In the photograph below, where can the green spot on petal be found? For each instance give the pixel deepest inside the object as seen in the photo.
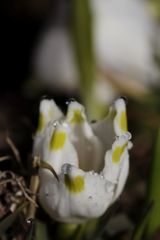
(41, 122)
(117, 153)
(74, 185)
(77, 117)
(57, 140)
(123, 121)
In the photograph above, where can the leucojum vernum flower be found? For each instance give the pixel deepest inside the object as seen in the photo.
(76, 149)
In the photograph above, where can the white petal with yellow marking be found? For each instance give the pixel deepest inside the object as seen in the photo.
(81, 195)
(49, 111)
(60, 148)
(114, 159)
(120, 119)
(48, 114)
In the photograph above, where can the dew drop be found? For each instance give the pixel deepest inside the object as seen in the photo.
(70, 100)
(128, 135)
(66, 168)
(44, 97)
(124, 98)
(109, 187)
(95, 174)
(55, 123)
(91, 172)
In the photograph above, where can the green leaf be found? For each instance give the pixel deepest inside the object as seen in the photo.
(38, 230)
(154, 191)
(41, 232)
(140, 228)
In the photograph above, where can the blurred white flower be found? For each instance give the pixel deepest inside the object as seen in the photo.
(123, 37)
(54, 61)
(69, 144)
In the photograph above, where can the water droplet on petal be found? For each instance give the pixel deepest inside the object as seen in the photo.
(91, 172)
(130, 145)
(109, 187)
(70, 100)
(128, 135)
(95, 174)
(55, 124)
(124, 98)
(66, 168)
(44, 97)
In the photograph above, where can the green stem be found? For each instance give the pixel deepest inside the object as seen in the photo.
(66, 231)
(81, 22)
(154, 192)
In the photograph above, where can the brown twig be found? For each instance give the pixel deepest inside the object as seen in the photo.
(14, 149)
(34, 185)
(24, 191)
(30, 199)
(6, 181)
(4, 158)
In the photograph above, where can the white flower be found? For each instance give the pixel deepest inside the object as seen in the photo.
(69, 144)
(123, 36)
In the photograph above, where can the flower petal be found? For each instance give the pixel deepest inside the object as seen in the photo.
(81, 195)
(123, 174)
(120, 120)
(56, 148)
(88, 146)
(61, 150)
(104, 130)
(49, 111)
(117, 164)
(41, 141)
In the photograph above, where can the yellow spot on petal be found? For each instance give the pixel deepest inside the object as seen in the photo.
(41, 122)
(123, 121)
(117, 153)
(57, 140)
(74, 185)
(77, 117)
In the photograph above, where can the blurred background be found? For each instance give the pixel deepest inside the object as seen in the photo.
(93, 51)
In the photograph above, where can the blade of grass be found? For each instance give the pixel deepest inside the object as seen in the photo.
(140, 228)
(154, 191)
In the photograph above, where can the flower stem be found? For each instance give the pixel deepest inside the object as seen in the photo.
(66, 231)
(81, 29)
